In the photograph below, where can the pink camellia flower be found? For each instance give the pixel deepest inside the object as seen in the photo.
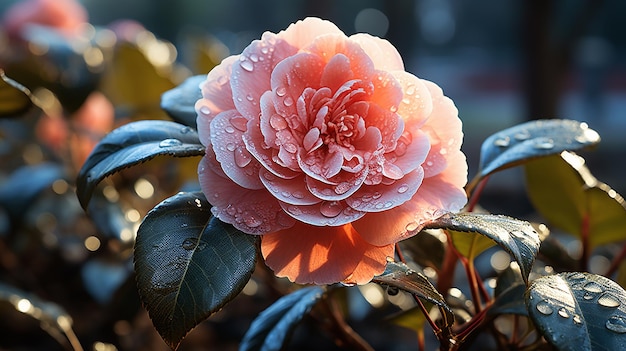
(323, 144)
(65, 16)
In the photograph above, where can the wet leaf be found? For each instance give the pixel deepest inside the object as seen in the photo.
(132, 144)
(568, 196)
(179, 103)
(530, 140)
(272, 328)
(509, 293)
(189, 264)
(14, 97)
(517, 237)
(579, 311)
(401, 276)
(470, 245)
(52, 317)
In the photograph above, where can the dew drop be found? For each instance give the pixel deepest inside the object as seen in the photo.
(170, 143)
(410, 90)
(264, 50)
(577, 319)
(616, 324)
(230, 147)
(239, 123)
(342, 188)
(403, 188)
(278, 122)
(543, 144)
(563, 312)
(593, 287)
(544, 307)
(523, 135)
(252, 221)
(205, 110)
(254, 58)
(229, 129)
(189, 243)
(393, 109)
(221, 80)
(412, 227)
(285, 193)
(249, 97)
(294, 210)
(588, 296)
(291, 148)
(330, 209)
(288, 101)
(242, 157)
(281, 91)
(246, 65)
(298, 194)
(185, 130)
(502, 142)
(608, 300)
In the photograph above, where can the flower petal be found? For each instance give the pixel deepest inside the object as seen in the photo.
(343, 185)
(231, 152)
(410, 154)
(417, 103)
(337, 72)
(443, 126)
(217, 95)
(251, 211)
(292, 191)
(435, 197)
(377, 198)
(252, 71)
(329, 45)
(323, 255)
(303, 32)
(381, 52)
(325, 213)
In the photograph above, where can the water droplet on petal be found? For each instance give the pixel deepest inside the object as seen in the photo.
(403, 188)
(278, 122)
(230, 147)
(291, 148)
(331, 208)
(239, 123)
(593, 287)
(170, 142)
(245, 64)
(189, 243)
(608, 300)
(252, 221)
(616, 324)
(288, 101)
(410, 90)
(544, 144)
(342, 188)
(563, 312)
(412, 227)
(242, 157)
(249, 97)
(254, 57)
(298, 194)
(281, 91)
(502, 142)
(205, 110)
(229, 129)
(544, 307)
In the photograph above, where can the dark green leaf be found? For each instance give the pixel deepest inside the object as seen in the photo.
(179, 103)
(53, 318)
(110, 218)
(579, 311)
(517, 237)
(568, 196)
(399, 275)
(132, 144)
(509, 293)
(189, 264)
(426, 249)
(271, 329)
(530, 140)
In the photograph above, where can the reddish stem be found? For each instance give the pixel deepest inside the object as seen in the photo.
(584, 234)
(475, 196)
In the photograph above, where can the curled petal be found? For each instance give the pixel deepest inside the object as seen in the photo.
(413, 153)
(337, 72)
(343, 186)
(323, 255)
(291, 191)
(303, 32)
(383, 54)
(216, 92)
(329, 45)
(252, 70)
(251, 211)
(231, 152)
(377, 198)
(325, 213)
(253, 138)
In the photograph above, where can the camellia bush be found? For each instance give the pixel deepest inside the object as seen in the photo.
(323, 161)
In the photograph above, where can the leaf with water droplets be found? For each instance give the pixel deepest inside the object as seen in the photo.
(179, 103)
(568, 196)
(189, 264)
(517, 237)
(132, 144)
(530, 140)
(401, 276)
(271, 329)
(579, 311)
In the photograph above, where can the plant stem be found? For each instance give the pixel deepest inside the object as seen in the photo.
(475, 196)
(345, 333)
(584, 234)
(470, 271)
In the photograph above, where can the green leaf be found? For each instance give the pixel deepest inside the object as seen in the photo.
(272, 328)
(563, 191)
(509, 293)
(132, 144)
(179, 103)
(413, 318)
(530, 140)
(52, 317)
(14, 97)
(470, 245)
(517, 237)
(399, 275)
(189, 264)
(579, 311)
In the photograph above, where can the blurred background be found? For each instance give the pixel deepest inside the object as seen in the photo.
(501, 62)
